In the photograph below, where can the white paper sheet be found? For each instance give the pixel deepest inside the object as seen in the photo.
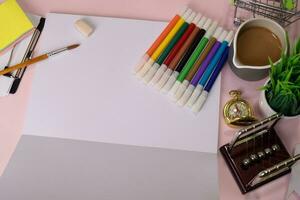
(90, 93)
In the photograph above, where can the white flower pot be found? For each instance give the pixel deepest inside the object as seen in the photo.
(264, 106)
(266, 109)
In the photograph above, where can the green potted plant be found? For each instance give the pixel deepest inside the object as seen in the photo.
(281, 93)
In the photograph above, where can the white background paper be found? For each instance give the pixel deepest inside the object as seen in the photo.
(90, 93)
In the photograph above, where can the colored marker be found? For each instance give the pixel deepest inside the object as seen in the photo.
(175, 50)
(194, 82)
(163, 45)
(201, 46)
(202, 98)
(149, 75)
(216, 59)
(159, 39)
(165, 71)
(205, 72)
(182, 91)
(184, 60)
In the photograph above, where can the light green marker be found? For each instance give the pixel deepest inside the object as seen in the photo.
(199, 49)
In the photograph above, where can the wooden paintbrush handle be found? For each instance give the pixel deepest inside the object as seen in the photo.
(24, 64)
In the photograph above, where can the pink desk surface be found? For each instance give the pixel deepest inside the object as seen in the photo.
(13, 107)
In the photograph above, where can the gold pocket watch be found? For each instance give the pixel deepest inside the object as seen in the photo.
(237, 111)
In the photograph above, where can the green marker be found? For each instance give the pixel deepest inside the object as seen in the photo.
(199, 49)
(169, 48)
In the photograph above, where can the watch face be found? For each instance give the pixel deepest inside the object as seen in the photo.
(238, 109)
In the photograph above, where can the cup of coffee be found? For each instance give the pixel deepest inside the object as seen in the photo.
(256, 42)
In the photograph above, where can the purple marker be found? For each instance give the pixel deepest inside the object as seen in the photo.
(201, 100)
(198, 89)
(186, 89)
(207, 60)
(194, 87)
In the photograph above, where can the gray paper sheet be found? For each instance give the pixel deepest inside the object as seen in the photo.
(294, 185)
(60, 169)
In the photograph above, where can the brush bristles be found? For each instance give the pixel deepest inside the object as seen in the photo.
(73, 46)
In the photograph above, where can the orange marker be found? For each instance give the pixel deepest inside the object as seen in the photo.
(159, 40)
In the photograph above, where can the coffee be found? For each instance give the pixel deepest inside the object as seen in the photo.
(255, 45)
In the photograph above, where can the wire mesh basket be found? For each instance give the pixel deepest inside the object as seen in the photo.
(282, 11)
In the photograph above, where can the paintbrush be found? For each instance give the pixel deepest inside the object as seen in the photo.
(37, 59)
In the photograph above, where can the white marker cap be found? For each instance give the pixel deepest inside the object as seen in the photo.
(207, 24)
(218, 32)
(145, 68)
(222, 37)
(211, 29)
(202, 22)
(174, 90)
(187, 13)
(181, 89)
(197, 91)
(170, 82)
(141, 63)
(165, 77)
(149, 75)
(187, 94)
(191, 17)
(200, 102)
(183, 10)
(229, 37)
(158, 74)
(197, 18)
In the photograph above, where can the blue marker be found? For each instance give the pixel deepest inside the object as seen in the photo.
(202, 98)
(209, 70)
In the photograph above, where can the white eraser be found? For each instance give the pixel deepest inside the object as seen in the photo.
(84, 28)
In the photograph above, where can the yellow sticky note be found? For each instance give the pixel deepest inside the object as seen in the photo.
(13, 23)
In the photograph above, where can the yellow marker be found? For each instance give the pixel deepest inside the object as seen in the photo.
(167, 40)
(164, 44)
(13, 23)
